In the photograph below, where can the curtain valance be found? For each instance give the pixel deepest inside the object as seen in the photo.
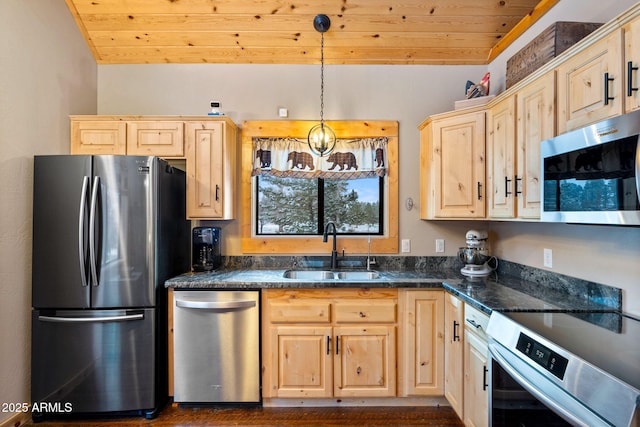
(291, 157)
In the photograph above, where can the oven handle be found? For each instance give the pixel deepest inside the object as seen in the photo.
(593, 421)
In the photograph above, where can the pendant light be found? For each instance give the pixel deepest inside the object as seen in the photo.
(321, 139)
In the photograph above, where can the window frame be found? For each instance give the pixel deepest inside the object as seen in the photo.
(312, 244)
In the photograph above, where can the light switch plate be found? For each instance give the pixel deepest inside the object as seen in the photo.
(406, 245)
(548, 258)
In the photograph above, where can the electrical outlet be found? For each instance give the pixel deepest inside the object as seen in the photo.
(439, 245)
(547, 258)
(406, 245)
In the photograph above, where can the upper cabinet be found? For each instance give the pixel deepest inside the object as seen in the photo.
(590, 84)
(209, 145)
(631, 34)
(501, 156)
(211, 168)
(452, 165)
(125, 135)
(516, 126)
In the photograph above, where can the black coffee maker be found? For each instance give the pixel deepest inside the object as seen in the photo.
(205, 254)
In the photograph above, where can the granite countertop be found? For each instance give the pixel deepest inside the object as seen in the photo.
(496, 292)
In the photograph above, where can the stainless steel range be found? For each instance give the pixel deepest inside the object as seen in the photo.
(549, 369)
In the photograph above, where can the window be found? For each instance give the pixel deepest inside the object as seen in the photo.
(299, 206)
(284, 214)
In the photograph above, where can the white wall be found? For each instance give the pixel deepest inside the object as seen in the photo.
(46, 73)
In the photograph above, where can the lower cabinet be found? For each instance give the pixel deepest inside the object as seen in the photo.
(476, 371)
(421, 350)
(329, 343)
(466, 372)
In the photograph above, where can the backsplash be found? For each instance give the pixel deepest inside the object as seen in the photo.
(529, 280)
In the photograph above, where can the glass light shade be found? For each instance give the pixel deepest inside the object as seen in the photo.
(322, 139)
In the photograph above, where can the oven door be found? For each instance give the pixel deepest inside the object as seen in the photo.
(521, 396)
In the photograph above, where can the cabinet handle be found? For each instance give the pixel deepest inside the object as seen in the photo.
(506, 186)
(456, 336)
(516, 184)
(630, 70)
(479, 190)
(474, 323)
(217, 192)
(607, 98)
(337, 344)
(485, 384)
(328, 345)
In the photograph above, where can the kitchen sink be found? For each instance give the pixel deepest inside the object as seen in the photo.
(358, 275)
(330, 275)
(309, 274)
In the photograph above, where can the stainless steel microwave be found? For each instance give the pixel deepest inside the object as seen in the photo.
(592, 175)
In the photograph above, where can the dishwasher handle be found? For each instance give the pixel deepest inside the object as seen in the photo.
(215, 305)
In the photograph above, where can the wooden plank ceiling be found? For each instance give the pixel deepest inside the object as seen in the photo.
(281, 31)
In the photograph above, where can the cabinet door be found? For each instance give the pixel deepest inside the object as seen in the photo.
(536, 122)
(98, 137)
(476, 392)
(458, 153)
(365, 361)
(453, 352)
(422, 349)
(301, 362)
(584, 94)
(155, 138)
(204, 142)
(501, 136)
(632, 65)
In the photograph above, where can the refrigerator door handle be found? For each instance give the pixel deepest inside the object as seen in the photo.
(81, 222)
(91, 319)
(92, 231)
(216, 305)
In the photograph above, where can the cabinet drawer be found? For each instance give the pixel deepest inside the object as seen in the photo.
(476, 321)
(300, 312)
(365, 311)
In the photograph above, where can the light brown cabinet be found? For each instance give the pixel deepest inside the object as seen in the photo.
(127, 135)
(501, 158)
(631, 33)
(452, 165)
(211, 168)
(516, 127)
(536, 121)
(590, 84)
(476, 387)
(329, 343)
(208, 144)
(421, 348)
(453, 352)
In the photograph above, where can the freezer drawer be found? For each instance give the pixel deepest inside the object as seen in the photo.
(94, 361)
(216, 346)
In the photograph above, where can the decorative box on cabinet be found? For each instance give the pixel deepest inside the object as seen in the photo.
(452, 165)
(329, 343)
(421, 349)
(211, 168)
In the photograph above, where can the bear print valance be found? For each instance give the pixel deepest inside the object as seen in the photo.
(291, 157)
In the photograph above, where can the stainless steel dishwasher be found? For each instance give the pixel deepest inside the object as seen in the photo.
(216, 346)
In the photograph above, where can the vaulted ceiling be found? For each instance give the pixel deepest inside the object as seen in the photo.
(281, 31)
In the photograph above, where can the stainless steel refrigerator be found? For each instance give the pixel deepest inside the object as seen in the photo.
(107, 232)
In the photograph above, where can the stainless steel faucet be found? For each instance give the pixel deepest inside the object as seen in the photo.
(325, 236)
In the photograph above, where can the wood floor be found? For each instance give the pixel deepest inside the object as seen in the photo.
(173, 416)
